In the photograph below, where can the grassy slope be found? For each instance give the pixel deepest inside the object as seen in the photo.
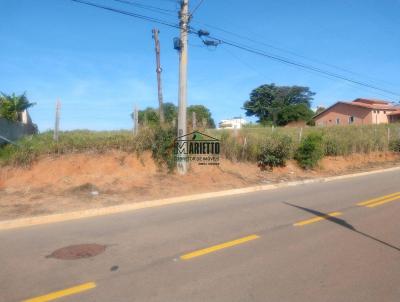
(243, 145)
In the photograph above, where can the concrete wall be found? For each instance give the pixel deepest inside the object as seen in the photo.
(14, 130)
(342, 112)
(380, 117)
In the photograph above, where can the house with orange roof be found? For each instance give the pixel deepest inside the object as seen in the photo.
(358, 112)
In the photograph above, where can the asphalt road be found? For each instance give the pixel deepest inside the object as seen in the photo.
(274, 246)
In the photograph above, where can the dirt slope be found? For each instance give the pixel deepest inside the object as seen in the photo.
(79, 181)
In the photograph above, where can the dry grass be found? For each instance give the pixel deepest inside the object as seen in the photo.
(242, 145)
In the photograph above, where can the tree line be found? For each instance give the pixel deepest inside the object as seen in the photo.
(150, 116)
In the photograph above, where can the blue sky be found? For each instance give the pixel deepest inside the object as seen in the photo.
(99, 64)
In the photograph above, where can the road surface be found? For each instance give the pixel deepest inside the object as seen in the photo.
(336, 241)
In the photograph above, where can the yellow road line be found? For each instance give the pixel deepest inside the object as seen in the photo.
(382, 198)
(316, 219)
(372, 205)
(218, 247)
(63, 293)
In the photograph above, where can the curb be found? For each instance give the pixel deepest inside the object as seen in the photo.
(40, 220)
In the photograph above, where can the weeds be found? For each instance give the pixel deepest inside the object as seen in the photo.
(265, 145)
(310, 151)
(163, 148)
(275, 151)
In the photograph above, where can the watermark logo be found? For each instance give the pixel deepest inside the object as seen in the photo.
(197, 147)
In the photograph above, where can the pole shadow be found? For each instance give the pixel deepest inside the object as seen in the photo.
(342, 223)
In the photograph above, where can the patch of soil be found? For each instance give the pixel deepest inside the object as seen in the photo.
(82, 181)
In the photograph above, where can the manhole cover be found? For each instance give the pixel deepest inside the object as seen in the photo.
(79, 251)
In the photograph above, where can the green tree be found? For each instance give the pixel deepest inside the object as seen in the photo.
(149, 117)
(202, 113)
(267, 102)
(12, 105)
(297, 112)
(170, 112)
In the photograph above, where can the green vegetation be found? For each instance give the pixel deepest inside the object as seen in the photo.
(251, 144)
(266, 146)
(310, 151)
(12, 105)
(31, 148)
(163, 148)
(275, 151)
(149, 116)
(395, 145)
(280, 105)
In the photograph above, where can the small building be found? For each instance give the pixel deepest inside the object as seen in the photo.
(12, 131)
(358, 112)
(234, 123)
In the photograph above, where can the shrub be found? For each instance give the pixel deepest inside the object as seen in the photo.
(310, 151)
(275, 151)
(163, 148)
(395, 145)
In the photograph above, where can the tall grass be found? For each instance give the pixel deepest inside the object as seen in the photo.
(246, 144)
(30, 148)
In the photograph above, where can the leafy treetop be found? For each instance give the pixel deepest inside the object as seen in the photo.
(12, 105)
(279, 105)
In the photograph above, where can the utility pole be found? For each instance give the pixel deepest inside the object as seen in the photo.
(182, 99)
(57, 121)
(159, 70)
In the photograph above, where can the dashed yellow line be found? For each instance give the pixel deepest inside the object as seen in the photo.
(63, 293)
(218, 247)
(316, 219)
(380, 200)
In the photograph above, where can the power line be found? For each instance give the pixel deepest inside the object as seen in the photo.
(243, 37)
(148, 7)
(131, 14)
(245, 48)
(354, 86)
(196, 8)
(301, 65)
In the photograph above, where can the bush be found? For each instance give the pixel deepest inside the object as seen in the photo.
(395, 145)
(310, 151)
(163, 148)
(275, 152)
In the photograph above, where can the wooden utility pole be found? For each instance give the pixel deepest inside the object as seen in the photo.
(57, 121)
(159, 70)
(182, 99)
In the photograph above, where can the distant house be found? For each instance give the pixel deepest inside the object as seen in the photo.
(12, 131)
(358, 112)
(234, 123)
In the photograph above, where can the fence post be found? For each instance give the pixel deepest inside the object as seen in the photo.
(300, 134)
(57, 121)
(388, 136)
(204, 122)
(194, 121)
(135, 120)
(244, 147)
